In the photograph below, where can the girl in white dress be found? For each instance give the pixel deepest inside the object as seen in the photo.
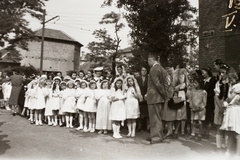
(40, 104)
(90, 107)
(231, 119)
(103, 108)
(197, 102)
(56, 98)
(118, 110)
(61, 113)
(221, 90)
(49, 97)
(6, 89)
(81, 98)
(132, 107)
(31, 93)
(69, 103)
(27, 101)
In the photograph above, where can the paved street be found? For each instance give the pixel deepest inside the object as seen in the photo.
(20, 140)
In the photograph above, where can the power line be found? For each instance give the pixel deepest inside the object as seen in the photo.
(74, 27)
(70, 12)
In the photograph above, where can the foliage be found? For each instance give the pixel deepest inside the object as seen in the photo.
(26, 70)
(157, 27)
(13, 25)
(105, 50)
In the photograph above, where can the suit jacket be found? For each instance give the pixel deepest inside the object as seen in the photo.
(157, 85)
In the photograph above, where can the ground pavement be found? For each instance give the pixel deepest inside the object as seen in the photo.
(21, 140)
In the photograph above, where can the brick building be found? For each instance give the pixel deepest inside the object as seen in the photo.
(61, 52)
(219, 32)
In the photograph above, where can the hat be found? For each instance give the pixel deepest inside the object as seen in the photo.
(43, 76)
(67, 78)
(104, 81)
(83, 81)
(118, 79)
(57, 77)
(77, 79)
(70, 82)
(92, 82)
(98, 69)
(63, 82)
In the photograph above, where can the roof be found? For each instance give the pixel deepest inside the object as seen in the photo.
(55, 34)
(4, 58)
(126, 50)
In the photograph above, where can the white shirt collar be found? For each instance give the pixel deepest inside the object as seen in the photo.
(155, 64)
(207, 80)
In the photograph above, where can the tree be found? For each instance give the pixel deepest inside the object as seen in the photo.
(14, 28)
(105, 50)
(157, 26)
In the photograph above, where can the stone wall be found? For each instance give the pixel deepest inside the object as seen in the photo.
(57, 56)
(214, 41)
(211, 35)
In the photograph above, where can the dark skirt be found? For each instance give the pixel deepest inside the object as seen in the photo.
(21, 97)
(13, 100)
(143, 109)
(210, 107)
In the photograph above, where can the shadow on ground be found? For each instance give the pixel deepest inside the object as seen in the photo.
(4, 146)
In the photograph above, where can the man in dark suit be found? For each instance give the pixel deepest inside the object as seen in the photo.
(157, 94)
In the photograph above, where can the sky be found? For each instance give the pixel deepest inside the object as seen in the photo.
(79, 18)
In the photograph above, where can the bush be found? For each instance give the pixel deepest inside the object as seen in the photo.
(26, 70)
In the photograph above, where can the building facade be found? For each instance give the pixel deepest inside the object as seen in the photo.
(61, 52)
(219, 32)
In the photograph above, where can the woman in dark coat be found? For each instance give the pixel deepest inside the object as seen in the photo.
(209, 85)
(17, 82)
(143, 85)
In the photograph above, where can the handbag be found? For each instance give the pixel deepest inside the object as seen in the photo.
(175, 103)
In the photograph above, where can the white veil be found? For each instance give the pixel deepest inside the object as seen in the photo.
(136, 87)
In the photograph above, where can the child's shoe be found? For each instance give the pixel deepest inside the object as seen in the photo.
(87, 130)
(8, 108)
(61, 125)
(79, 128)
(67, 125)
(105, 132)
(36, 123)
(100, 132)
(70, 126)
(117, 136)
(40, 123)
(55, 124)
(49, 123)
(129, 134)
(92, 130)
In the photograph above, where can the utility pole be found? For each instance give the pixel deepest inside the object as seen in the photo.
(42, 44)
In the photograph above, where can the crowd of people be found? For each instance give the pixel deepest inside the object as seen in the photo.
(169, 102)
